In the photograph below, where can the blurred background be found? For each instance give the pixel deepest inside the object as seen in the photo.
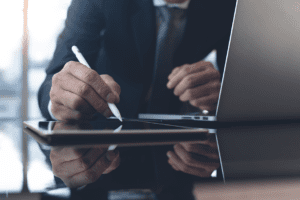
(29, 29)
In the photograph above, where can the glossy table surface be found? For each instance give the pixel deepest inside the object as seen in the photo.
(258, 146)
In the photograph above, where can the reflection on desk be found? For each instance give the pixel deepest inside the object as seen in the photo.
(143, 165)
(260, 189)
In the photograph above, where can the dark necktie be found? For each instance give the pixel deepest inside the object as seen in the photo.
(172, 24)
(171, 28)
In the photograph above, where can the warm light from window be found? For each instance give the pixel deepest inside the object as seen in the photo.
(45, 19)
(11, 26)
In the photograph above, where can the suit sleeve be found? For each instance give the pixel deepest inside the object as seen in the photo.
(83, 25)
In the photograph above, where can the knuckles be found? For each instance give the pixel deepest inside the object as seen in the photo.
(76, 116)
(52, 94)
(59, 171)
(190, 94)
(214, 73)
(91, 76)
(209, 65)
(117, 88)
(53, 157)
(91, 176)
(83, 90)
(54, 108)
(106, 77)
(188, 159)
(186, 69)
(68, 66)
(189, 148)
(77, 103)
(184, 168)
(189, 81)
(70, 116)
(55, 79)
(111, 82)
(83, 164)
(215, 85)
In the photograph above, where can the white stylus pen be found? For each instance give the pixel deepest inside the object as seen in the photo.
(110, 148)
(81, 59)
(113, 146)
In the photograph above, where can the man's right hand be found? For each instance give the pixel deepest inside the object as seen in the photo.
(78, 92)
(79, 167)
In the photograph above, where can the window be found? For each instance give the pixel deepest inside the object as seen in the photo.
(18, 101)
(45, 21)
(11, 168)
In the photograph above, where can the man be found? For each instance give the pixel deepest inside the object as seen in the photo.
(120, 39)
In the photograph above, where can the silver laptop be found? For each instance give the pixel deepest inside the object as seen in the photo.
(261, 82)
(261, 79)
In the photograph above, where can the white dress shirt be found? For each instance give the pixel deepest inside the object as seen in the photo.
(183, 5)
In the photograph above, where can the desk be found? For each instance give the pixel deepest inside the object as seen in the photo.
(259, 162)
(144, 163)
(260, 151)
(283, 189)
(249, 152)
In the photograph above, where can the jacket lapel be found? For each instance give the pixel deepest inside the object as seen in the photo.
(143, 27)
(205, 27)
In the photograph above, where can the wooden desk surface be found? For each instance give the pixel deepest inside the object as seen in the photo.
(264, 189)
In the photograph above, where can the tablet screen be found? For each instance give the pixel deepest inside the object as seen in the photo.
(109, 131)
(106, 126)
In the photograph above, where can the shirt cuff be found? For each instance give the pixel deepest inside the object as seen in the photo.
(49, 110)
(214, 174)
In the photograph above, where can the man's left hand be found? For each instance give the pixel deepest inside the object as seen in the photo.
(198, 159)
(198, 83)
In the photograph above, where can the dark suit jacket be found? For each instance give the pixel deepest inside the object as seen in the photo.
(117, 37)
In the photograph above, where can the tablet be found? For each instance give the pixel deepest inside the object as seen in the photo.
(130, 132)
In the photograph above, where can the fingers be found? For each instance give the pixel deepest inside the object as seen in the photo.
(64, 113)
(200, 91)
(92, 80)
(195, 79)
(209, 141)
(174, 72)
(74, 166)
(111, 83)
(115, 163)
(195, 159)
(206, 103)
(205, 150)
(77, 167)
(93, 173)
(173, 164)
(198, 83)
(183, 72)
(82, 91)
(60, 155)
(83, 94)
(212, 141)
(71, 101)
(178, 164)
